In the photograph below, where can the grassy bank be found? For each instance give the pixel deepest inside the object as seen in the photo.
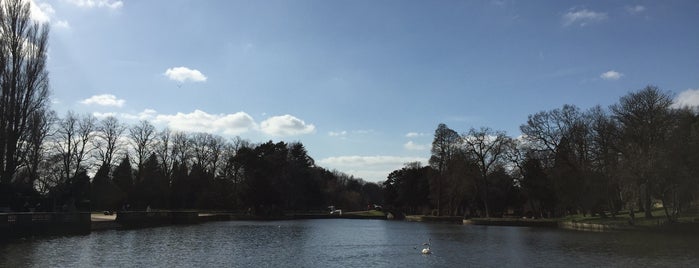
(368, 213)
(513, 222)
(107, 222)
(658, 220)
(425, 218)
(688, 222)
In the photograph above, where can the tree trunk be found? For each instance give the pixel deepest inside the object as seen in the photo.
(632, 216)
(647, 203)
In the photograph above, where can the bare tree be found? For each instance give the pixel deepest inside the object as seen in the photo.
(644, 120)
(489, 148)
(64, 142)
(545, 130)
(24, 85)
(108, 139)
(34, 145)
(216, 148)
(73, 137)
(445, 145)
(181, 148)
(142, 136)
(86, 133)
(207, 149)
(52, 169)
(163, 151)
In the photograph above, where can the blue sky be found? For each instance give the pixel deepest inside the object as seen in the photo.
(363, 84)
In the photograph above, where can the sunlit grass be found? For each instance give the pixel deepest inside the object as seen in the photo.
(368, 213)
(622, 218)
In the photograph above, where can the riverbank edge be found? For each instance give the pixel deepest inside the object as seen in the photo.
(38, 223)
(442, 219)
(512, 222)
(685, 228)
(141, 219)
(21, 224)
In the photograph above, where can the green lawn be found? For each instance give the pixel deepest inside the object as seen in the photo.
(368, 213)
(658, 219)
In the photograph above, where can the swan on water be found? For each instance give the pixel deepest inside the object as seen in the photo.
(427, 250)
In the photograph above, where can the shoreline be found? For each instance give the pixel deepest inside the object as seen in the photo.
(16, 225)
(142, 219)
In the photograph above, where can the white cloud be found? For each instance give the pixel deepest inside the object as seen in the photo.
(372, 168)
(184, 74)
(363, 131)
(226, 124)
(611, 75)
(687, 98)
(41, 12)
(147, 114)
(414, 134)
(499, 3)
(635, 9)
(410, 145)
(344, 133)
(285, 125)
(337, 133)
(111, 4)
(103, 115)
(104, 100)
(200, 121)
(582, 17)
(62, 24)
(359, 161)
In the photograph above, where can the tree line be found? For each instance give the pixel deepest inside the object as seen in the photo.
(85, 163)
(50, 162)
(635, 155)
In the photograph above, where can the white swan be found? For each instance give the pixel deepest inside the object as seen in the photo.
(427, 250)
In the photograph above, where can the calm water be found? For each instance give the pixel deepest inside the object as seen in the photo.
(350, 243)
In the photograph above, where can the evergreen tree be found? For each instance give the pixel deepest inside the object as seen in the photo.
(123, 178)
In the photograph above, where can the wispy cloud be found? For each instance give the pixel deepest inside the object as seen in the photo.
(410, 145)
(104, 100)
(372, 168)
(110, 4)
(100, 115)
(147, 114)
(414, 134)
(687, 98)
(337, 133)
(285, 125)
(611, 75)
(200, 121)
(226, 124)
(344, 133)
(635, 9)
(582, 17)
(41, 12)
(184, 74)
(62, 24)
(358, 161)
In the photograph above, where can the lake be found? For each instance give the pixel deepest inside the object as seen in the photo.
(350, 243)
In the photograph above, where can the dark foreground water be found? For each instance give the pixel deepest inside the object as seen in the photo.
(351, 243)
